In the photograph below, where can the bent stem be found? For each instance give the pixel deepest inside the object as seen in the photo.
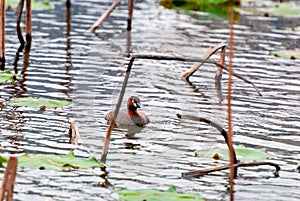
(199, 64)
(190, 59)
(206, 171)
(219, 128)
(19, 18)
(116, 112)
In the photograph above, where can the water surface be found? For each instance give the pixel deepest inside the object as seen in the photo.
(90, 69)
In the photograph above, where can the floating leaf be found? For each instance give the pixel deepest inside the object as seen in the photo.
(242, 153)
(156, 195)
(6, 75)
(53, 162)
(35, 4)
(285, 9)
(287, 54)
(39, 102)
(3, 160)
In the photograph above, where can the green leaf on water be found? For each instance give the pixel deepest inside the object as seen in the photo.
(35, 4)
(6, 75)
(39, 102)
(285, 9)
(156, 195)
(242, 153)
(53, 162)
(287, 54)
(3, 161)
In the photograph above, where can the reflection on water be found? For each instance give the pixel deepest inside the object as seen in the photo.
(64, 57)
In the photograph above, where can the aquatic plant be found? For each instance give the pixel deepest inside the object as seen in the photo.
(53, 162)
(155, 195)
(7, 76)
(35, 4)
(38, 102)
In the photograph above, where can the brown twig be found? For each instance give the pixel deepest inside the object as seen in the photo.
(205, 171)
(28, 25)
(18, 27)
(163, 57)
(73, 133)
(2, 34)
(199, 64)
(8, 181)
(230, 132)
(104, 16)
(218, 76)
(130, 11)
(116, 112)
(222, 62)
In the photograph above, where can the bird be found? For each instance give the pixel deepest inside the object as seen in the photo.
(132, 117)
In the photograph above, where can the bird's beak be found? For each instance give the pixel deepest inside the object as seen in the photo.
(137, 105)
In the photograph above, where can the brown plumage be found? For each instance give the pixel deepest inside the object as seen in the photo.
(132, 117)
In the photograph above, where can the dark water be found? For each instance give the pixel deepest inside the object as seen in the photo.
(90, 69)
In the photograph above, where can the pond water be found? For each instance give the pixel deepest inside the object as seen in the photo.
(68, 62)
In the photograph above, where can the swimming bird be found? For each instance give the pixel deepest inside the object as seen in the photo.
(132, 117)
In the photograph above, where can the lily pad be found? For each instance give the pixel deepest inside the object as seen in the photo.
(2, 161)
(39, 102)
(285, 9)
(242, 153)
(287, 54)
(53, 162)
(35, 4)
(6, 75)
(157, 195)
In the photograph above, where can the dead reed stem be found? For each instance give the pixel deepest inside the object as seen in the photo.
(199, 64)
(116, 112)
(28, 23)
(104, 16)
(73, 133)
(128, 47)
(8, 181)
(175, 58)
(230, 133)
(2, 34)
(18, 27)
(219, 128)
(205, 171)
(222, 62)
(130, 11)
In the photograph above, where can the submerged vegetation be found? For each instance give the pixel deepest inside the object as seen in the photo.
(215, 7)
(220, 8)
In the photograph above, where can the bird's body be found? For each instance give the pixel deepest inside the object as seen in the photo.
(130, 117)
